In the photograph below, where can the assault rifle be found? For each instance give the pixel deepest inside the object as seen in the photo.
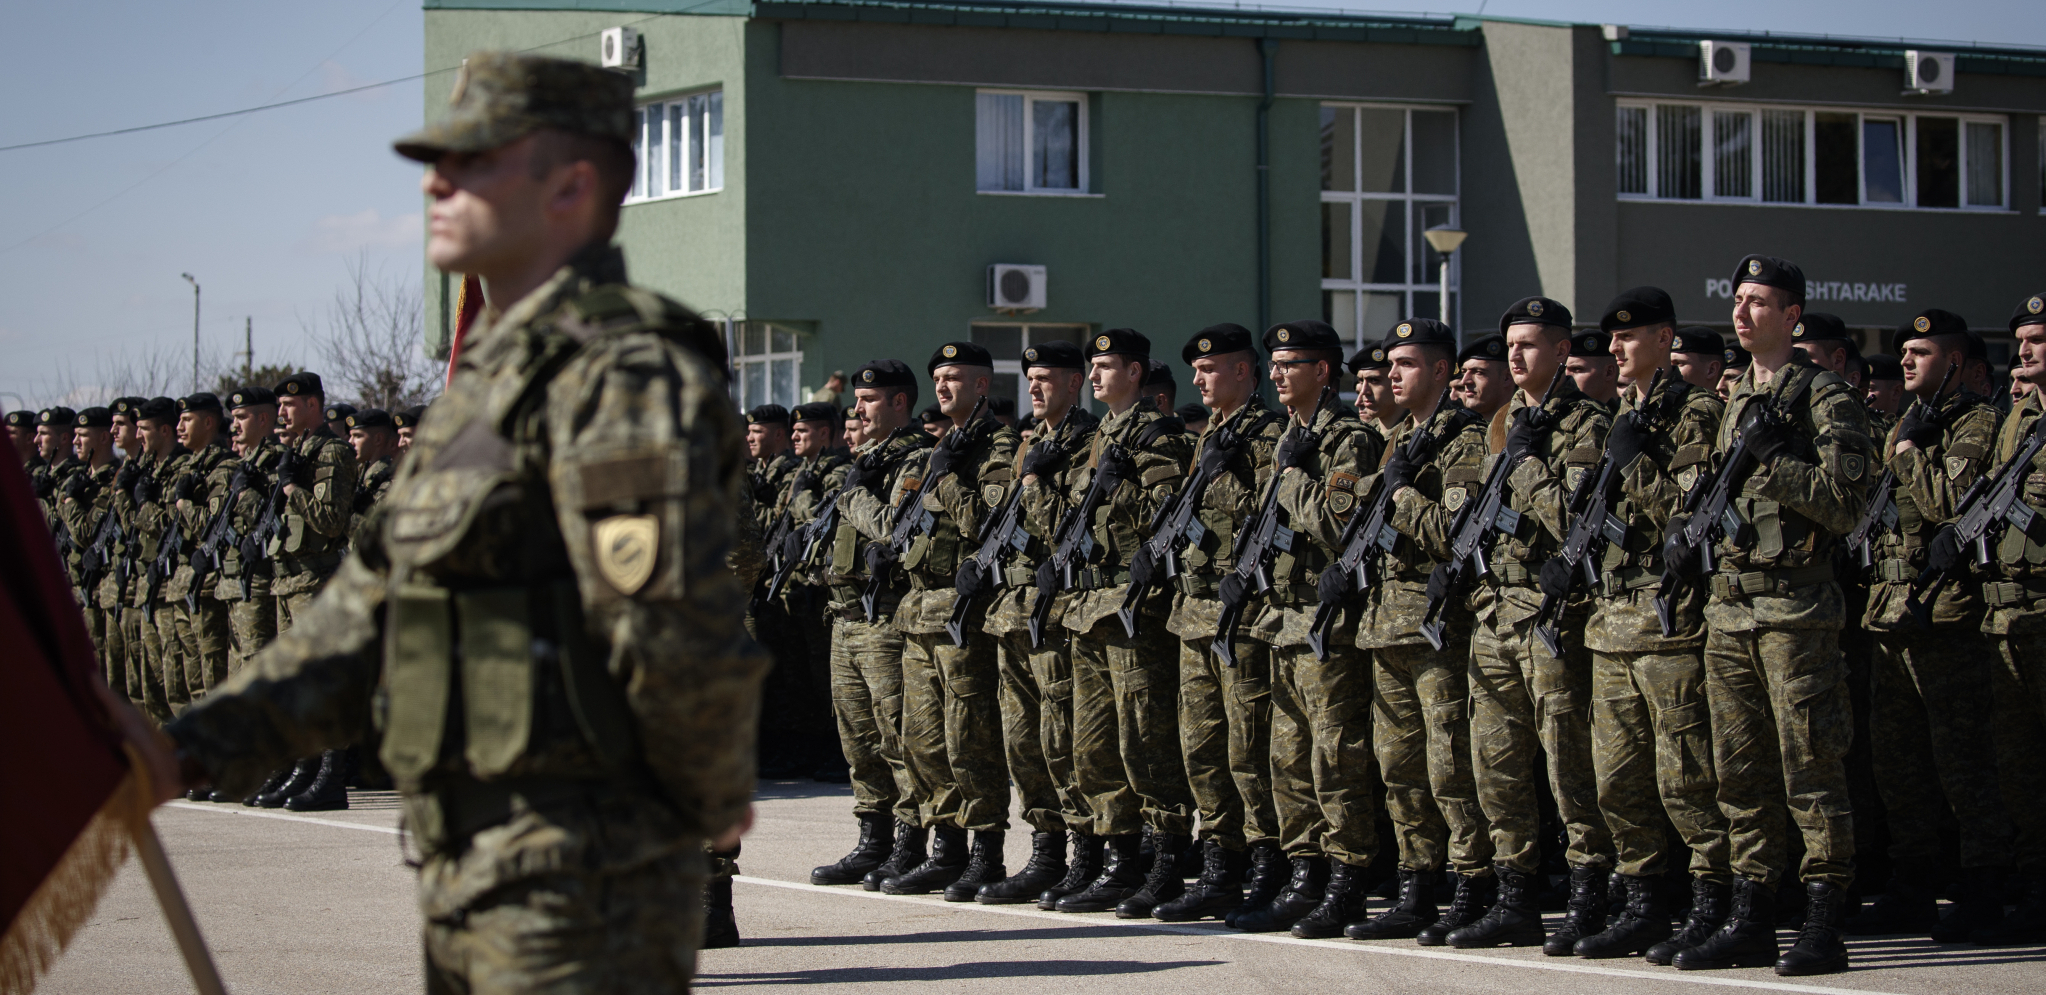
(1173, 528)
(99, 554)
(65, 544)
(912, 519)
(1000, 537)
(1369, 534)
(1472, 533)
(220, 537)
(1253, 552)
(1880, 515)
(169, 550)
(1988, 505)
(781, 559)
(256, 546)
(1072, 545)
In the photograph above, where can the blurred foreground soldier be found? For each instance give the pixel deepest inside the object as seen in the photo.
(21, 428)
(1592, 367)
(607, 691)
(1774, 678)
(1697, 356)
(1487, 384)
(406, 422)
(1734, 362)
(1375, 406)
(375, 441)
(1194, 416)
(199, 620)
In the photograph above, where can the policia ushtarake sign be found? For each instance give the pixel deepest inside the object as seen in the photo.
(1828, 290)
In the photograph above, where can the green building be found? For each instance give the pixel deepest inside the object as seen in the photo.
(840, 180)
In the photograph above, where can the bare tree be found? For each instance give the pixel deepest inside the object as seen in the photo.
(371, 343)
(147, 373)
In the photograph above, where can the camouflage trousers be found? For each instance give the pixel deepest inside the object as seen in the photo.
(1037, 728)
(1524, 701)
(290, 606)
(2018, 690)
(1322, 765)
(1931, 731)
(1651, 748)
(108, 648)
(866, 699)
(1225, 739)
(144, 664)
(952, 731)
(253, 623)
(205, 646)
(1126, 731)
(1780, 727)
(1420, 732)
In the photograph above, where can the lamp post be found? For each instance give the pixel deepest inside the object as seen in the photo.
(195, 330)
(1446, 239)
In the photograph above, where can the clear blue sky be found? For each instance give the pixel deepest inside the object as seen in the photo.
(267, 210)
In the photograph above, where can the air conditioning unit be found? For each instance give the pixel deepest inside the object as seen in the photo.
(618, 48)
(1722, 63)
(1928, 72)
(1014, 287)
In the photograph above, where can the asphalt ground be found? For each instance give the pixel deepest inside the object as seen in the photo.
(323, 903)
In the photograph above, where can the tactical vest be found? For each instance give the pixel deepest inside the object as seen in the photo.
(1775, 536)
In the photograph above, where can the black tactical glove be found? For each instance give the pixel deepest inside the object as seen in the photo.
(1334, 585)
(1920, 427)
(1043, 459)
(1222, 448)
(1115, 468)
(131, 470)
(1231, 589)
(78, 486)
(943, 459)
(970, 580)
(1768, 436)
(861, 474)
(1531, 424)
(44, 487)
(1438, 582)
(879, 556)
(187, 484)
(1398, 472)
(1142, 567)
(1556, 577)
(1679, 556)
(1945, 554)
(145, 489)
(1628, 439)
(1294, 450)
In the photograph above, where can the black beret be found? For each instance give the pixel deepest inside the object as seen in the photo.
(1818, 326)
(1217, 340)
(157, 409)
(1591, 345)
(1735, 357)
(1419, 331)
(408, 418)
(1637, 307)
(1119, 342)
(1535, 311)
(958, 354)
(250, 395)
(1491, 347)
(336, 412)
(2031, 311)
(127, 406)
(1882, 366)
(814, 411)
(768, 414)
(1371, 357)
(1309, 334)
(1770, 271)
(299, 384)
(1699, 339)
(1158, 372)
(1191, 412)
(368, 418)
(1057, 354)
(852, 411)
(94, 417)
(21, 418)
(201, 401)
(1928, 323)
(933, 414)
(884, 373)
(56, 415)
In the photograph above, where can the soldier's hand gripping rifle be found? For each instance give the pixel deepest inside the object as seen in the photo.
(1255, 544)
(1073, 544)
(1175, 526)
(1481, 520)
(256, 547)
(100, 554)
(1989, 504)
(1003, 535)
(783, 544)
(1879, 517)
(220, 536)
(912, 519)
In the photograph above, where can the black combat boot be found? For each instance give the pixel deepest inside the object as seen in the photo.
(199, 794)
(1473, 896)
(1121, 876)
(329, 790)
(1906, 906)
(1979, 906)
(302, 774)
(270, 786)
(1746, 939)
(1584, 916)
(720, 926)
(1512, 921)
(2026, 924)
(1820, 949)
(1303, 891)
(870, 852)
(1163, 884)
(984, 867)
(1643, 923)
(1411, 912)
(1268, 873)
(1342, 903)
(907, 853)
(1047, 864)
(1080, 871)
(1708, 912)
(1216, 892)
(947, 861)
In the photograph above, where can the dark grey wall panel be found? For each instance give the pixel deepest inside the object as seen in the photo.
(1790, 83)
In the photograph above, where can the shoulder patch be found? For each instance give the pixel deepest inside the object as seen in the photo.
(626, 547)
(1574, 476)
(1160, 473)
(1454, 497)
(1342, 480)
(1956, 465)
(1688, 477)
(1852, 466)
(992, 494)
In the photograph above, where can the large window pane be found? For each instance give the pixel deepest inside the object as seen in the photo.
(1678, 152)
(998, 141)
(699, 105)
(1632, 128)
(1939, 162)
(1383, 150)
(1783, 157)
(1985, 164)
(1382, 248)
(1338, 148)
(1378, 313)
(756, 339)
(1733, 154)
(1434, 152)
(1836, 159)
(1001, 341)
(639, 150)
(784, 340)
(1428, 262)
(1055, 152)
(1882, 160)
(755, 381)
(715, 127)
(1339, 309)
(787, 386)
(678, 124)
(1335, 241)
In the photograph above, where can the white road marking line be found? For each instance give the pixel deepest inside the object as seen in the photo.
(219, 809)
(1565, 966)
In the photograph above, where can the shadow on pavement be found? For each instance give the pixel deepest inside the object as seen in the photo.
(952, 972)
(798, 788)
(1078, 932)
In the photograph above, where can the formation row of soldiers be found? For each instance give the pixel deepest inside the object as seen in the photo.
(195, 530)
(1494, 586)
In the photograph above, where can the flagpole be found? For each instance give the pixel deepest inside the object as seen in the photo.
(184, 927)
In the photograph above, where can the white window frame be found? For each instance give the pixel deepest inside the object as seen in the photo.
(714, 172)
(1411, 203)
(1030, 99)
(1013, 368)
(742, 361)
(1909, 136)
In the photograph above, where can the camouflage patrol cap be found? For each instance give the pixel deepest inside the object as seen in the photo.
(249, 396)
(368, 418)
(337, 412)
(21, 418)
(157, 409)
(94, 417)
(56, 415)
(201, 401)
(501, 97)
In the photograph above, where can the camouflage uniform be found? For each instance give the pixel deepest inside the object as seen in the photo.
(314, 525)
(251, 610)
(196, 619)
(1125, 710)
(770, 479)
(84, 516)
(150, 519)
(2015, 594)
(1930, 728)
(1651, 738)
(796, 703)
(1774, 679)
(1420, 696)
(372, 482)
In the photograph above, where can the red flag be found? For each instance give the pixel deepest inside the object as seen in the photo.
(468, 304)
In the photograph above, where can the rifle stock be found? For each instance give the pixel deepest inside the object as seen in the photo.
(911, 517)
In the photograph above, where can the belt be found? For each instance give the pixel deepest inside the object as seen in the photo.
(1297, 594)
(1017, 575)
(1726, 585)
(466, 807)
(1895, 571)
(1514, 573)
(2006, 593)
(1624, 579)
(1195, 585)
(1095, 578)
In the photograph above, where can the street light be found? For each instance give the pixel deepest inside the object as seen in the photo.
(1445, 240)
(195, 328)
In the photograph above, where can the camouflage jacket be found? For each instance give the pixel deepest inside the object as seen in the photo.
(1681, 421)
(1930, 483)
(901, 455)
(317, 515)
(769, 479)
(2018, 576)
(1315, 503)
(571, 500)
(815, 478)
(150, 521)
(84, 516)
(372, 482)
(1043, 504)
(256, 468)
(1422, 515)
(193, 514)
(1230, 500)
(1798, 507)
(1121, 523)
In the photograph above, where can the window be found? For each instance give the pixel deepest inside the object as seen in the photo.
(1006, 344)
(767, 365)
(1711, 152)
(1030, 142)
(681, 147)
(1388, 174)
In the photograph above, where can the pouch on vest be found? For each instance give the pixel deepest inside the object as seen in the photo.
(417, 679)
(845, 550)
(497, 676)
